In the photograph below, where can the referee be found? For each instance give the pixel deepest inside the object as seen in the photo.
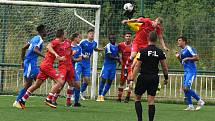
(148, 79)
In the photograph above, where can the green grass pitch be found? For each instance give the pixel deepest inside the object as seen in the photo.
(109, 110)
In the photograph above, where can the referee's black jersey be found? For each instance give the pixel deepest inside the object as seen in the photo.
(150, 58)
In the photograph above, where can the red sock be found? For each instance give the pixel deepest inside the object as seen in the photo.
(26, 96)
(68, 96)
(120, 92)
(54, 99)
(50, 96)
(129, 93)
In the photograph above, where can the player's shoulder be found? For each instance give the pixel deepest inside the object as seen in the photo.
(83, 41)
(36, 38)
(55, 40)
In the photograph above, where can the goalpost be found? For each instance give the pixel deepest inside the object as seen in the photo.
(20, 18)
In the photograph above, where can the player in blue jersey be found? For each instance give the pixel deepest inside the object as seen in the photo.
(187, 57)
(29, 60)
(77, 57)
(87, 46)
(109, 67)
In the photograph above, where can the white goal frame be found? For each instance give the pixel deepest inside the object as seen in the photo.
(68, 5)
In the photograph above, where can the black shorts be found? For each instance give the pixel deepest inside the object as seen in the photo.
(147, 83)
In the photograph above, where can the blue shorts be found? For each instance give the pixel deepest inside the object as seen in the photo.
(30, 69)
(83, 70)
(108, 72)
(188, 79)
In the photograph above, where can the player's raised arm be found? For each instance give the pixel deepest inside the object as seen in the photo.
(162, 42)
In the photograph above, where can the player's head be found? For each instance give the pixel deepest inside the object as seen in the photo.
(152, 37)
(127, 36)
(60, 34)
(182, 41)
(158, 21)
(41, 30)
(76, 37)
(112, 38)
(90, 34)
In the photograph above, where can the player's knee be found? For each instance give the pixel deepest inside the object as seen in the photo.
(137, 98)
(186, 89)
(151, 100)
(109, 82)
(122, 83)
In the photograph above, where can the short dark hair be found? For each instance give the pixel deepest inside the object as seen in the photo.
(40, 28)
(112, 36)
(74, 35)
(153, 36)
(127, 32)
(183, 38)
(90, 30)
(59, 33)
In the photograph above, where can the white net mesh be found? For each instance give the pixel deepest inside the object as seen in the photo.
(18, 25)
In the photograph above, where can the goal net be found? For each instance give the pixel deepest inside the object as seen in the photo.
(19, 20)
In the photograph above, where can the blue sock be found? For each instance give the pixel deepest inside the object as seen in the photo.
(107, 87)
(21, 94)
(189, 98)
(76, 94)
(83, 87)
(101, 87)
(194, 95)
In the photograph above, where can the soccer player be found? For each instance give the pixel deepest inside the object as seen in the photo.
(148, 79)
(187, 57)
(142, 33)
(67, 70)
(77, 57)
(47, 70)
(125, 49)
(109, 67)
(87, 46)
(34, 48)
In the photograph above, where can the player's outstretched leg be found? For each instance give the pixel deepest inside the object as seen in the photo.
(106, 89)
(101, 88)
(189, 100)
(84, 87)
(200, 102)
(68, 96)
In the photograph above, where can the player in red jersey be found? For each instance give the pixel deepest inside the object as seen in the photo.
(141, 36)
(47, 70)
(125, 49)
(67, 70)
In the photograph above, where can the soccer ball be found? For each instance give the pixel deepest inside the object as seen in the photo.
(128, 7)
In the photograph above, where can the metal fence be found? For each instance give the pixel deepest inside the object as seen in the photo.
(204, 85)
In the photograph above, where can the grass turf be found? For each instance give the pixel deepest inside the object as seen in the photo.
(109, 110)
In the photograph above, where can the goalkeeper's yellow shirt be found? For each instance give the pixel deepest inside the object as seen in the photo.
(134, 26)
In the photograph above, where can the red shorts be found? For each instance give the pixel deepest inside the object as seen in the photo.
(48, 71)
(137, 46)
(68, 75)
(123, 77)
